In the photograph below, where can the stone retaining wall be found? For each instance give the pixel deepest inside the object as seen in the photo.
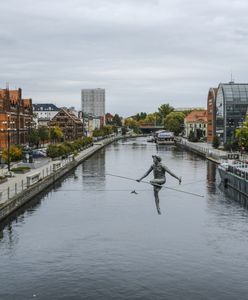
(23, 197)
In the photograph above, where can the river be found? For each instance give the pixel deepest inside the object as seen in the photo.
(89, 237)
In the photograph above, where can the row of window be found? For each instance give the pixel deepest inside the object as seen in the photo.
(199, 125)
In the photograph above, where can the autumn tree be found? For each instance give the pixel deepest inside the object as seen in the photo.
(132, 124)
(242, 135)
(174, 122)
(164, 111)
(15, 153)
(56, 134)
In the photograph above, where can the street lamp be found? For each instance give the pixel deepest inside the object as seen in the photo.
(27, 129)
(8, 124)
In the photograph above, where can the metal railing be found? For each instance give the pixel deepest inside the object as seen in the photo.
(30, 179)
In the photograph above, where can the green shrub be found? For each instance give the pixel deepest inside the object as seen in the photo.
(15, 153)
(65, 148)
(20, 169)
(216, 142)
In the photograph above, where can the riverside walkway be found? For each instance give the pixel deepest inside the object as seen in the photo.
(20, 182)
(206, 150)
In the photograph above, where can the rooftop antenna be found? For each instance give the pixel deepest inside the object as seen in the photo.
(7, 86)
(232, 79)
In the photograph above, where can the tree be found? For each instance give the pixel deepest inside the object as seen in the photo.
(141, 116)
(242, 135)
(132, 124)
(107, 130)
(56, 134)
(15, 153)
(43, 133)
(174, 122)
(123, 130)
(191, 136)
(216, 142)
(149, 119)
(117, 120)
(164, 110)
(33, 137)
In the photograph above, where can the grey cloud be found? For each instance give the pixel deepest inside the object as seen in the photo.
(142, 52)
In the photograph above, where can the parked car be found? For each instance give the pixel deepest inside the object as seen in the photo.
(39, 153)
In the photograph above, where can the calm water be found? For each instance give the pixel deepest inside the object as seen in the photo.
(90, 238)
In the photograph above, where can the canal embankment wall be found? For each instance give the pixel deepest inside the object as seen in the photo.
(202, 149)
(33, 184)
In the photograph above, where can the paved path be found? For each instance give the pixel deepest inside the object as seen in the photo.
(207, 149)
(20, 182)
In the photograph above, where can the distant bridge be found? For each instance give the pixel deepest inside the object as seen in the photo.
(146, 128)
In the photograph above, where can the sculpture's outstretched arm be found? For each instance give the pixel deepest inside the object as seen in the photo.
(173, 175)
(147, 173)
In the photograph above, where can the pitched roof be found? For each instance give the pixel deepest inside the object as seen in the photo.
(45, 107)
(197, 116)
(69, 113)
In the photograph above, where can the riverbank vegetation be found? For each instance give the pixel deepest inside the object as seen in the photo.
(21, 170)
(241, 135)
(165, 117)
(104, 131)
(43, 134)
(66, 148)
(15, 153)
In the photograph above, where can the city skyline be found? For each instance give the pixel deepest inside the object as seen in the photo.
(143, 53)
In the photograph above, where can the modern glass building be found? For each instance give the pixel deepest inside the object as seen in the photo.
(231, 108)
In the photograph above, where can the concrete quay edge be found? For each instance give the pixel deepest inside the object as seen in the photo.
(14, 203)
(202, 149)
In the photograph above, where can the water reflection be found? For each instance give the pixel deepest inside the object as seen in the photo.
(211, 177)
(93, 171)
(211, 171)
(81, 240)
(234, 195)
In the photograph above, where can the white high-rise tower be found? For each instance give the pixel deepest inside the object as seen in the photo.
(93, 102)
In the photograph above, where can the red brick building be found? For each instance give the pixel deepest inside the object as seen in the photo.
(15, 117)
(211, 114)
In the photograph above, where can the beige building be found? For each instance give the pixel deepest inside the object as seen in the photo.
(196, 122)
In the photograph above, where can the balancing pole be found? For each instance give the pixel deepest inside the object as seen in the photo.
(147, 182)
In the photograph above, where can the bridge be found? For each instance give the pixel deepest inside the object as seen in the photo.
(147, 128)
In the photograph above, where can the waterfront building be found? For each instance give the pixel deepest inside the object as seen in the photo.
(231, 107)
(211, 114)
(93, 102)
(91, 123)
(196, 121)
(70, 125)
(44, 112)
(15, 117)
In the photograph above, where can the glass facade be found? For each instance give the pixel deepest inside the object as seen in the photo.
(231, 108)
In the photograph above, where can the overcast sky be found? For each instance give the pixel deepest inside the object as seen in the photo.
(143, 52)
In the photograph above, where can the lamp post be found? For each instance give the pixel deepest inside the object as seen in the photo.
(8, 124)
(27, 129)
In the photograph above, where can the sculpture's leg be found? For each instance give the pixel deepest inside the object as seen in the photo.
(156, 190)
(157, 185)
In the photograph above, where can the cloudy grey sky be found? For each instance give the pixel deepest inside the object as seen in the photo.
(143, 52)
